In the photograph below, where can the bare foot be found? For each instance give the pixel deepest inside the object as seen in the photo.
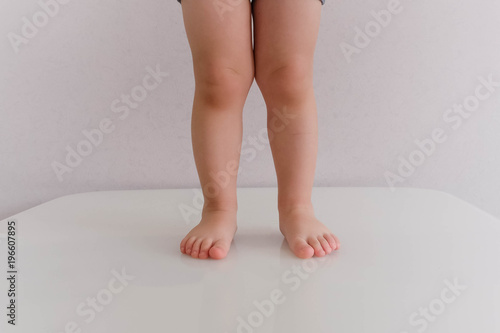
(212, 237)
(305, 235)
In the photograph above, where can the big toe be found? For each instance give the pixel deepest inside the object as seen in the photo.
(219, 250)
(301, 249)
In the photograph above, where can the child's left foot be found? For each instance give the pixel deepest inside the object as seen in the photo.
(305, 235)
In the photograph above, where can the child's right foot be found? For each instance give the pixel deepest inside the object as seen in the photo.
(212, 237)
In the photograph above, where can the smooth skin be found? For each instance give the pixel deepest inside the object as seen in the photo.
(225, 65)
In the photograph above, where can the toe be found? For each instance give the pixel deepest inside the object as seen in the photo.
(337, 242)
(324, 244)
(189, 245)
(301, 249)
(205, 246)
(183, 245)
(196, 248)
(331, 241)
(316, 245)
(219, 249)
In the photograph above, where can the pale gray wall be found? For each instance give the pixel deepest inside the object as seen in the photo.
(372, 108)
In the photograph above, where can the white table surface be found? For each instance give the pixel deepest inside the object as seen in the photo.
(399, 249)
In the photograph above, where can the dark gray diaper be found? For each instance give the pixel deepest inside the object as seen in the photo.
(322, 1)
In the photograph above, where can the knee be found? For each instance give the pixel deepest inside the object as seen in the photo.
(223, 86)
(287, 80)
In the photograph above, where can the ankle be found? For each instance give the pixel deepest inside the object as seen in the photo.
(295, 207)
(218, 206)
(219, 215)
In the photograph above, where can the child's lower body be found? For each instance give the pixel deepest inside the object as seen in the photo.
(225, 65)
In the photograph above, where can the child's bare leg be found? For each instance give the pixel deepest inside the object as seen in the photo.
(285, 39)
(223, 67)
